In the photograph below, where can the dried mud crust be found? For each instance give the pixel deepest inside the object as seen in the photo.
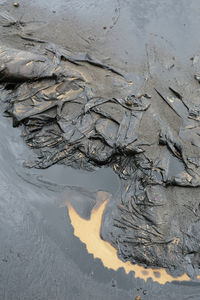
(79, 112)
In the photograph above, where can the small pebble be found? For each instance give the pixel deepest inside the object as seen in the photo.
(145, 292)
(104, 27)
(137, 298)
(128, 103)
(4, 260)
(114, 283)
(16, 4)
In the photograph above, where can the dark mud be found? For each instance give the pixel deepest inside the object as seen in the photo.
(169, 124)
(70, 118)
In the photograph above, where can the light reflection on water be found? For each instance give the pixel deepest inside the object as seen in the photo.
(102, 179)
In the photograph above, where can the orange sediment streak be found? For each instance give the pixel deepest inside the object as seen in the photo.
(88, 231)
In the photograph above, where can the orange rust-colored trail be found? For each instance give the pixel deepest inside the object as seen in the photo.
(88, 231)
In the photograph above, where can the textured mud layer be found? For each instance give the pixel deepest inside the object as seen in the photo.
(80, 112)
(88, 231)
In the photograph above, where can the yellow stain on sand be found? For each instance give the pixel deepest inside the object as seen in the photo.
(88, 231)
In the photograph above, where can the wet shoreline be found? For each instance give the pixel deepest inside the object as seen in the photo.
(40, 257)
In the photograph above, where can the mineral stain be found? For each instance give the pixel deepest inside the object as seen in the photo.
(88, 231)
